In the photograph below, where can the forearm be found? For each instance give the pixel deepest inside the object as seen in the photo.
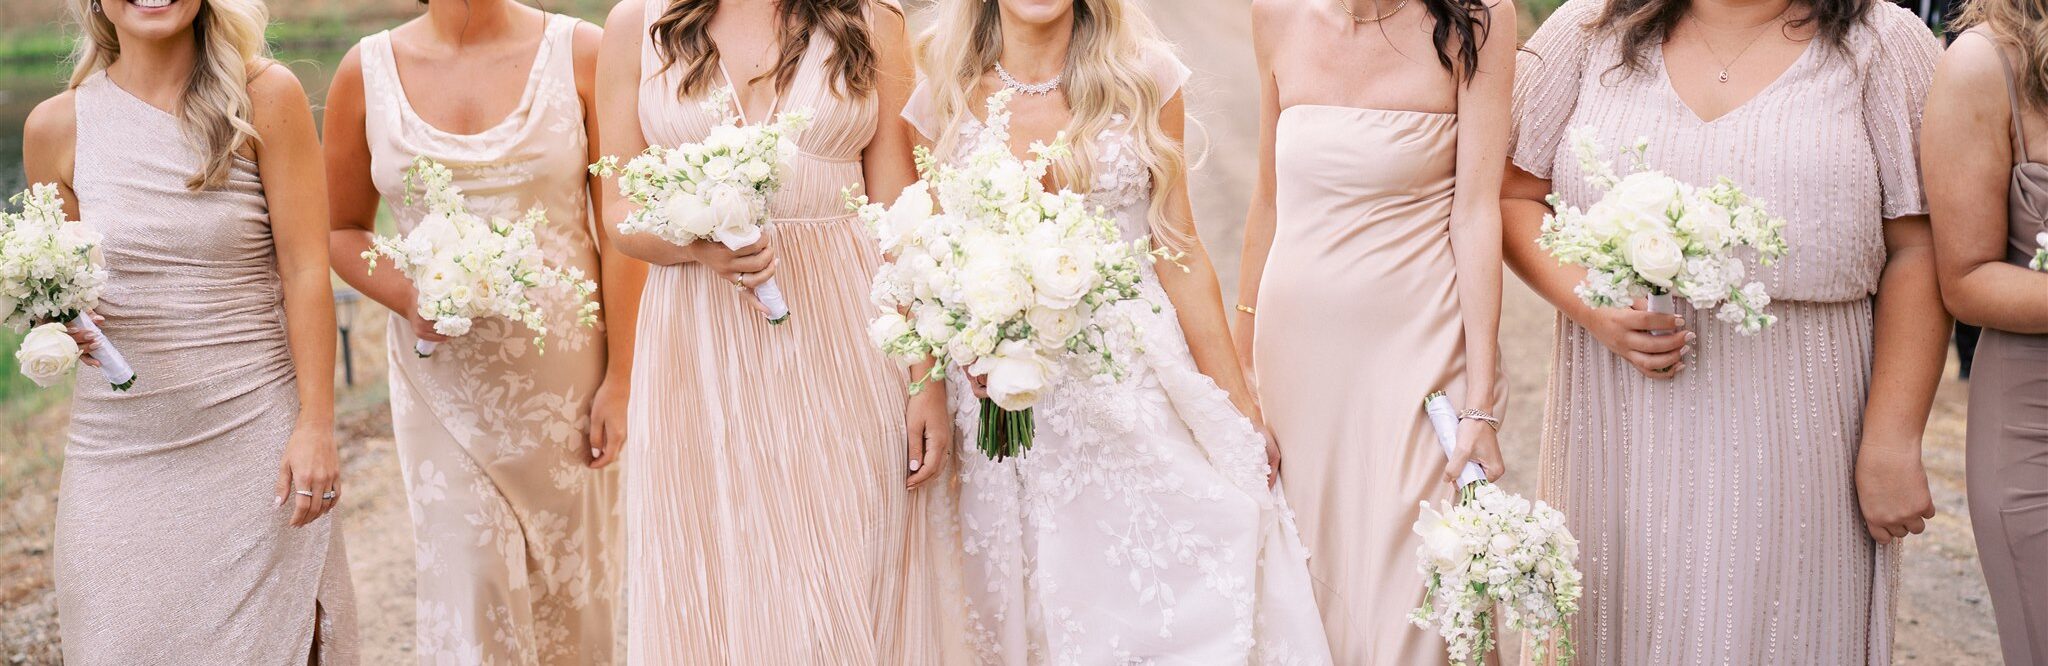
(1251, 269)
(1521, 223)
(2003, 296)
(622, 279)
(387, 287)
(1909, 350)
(1197, 298)
(310, 334)
(1476, 249)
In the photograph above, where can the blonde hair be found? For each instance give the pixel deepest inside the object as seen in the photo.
(2023, 26)
(1109, 71)
(215, 109)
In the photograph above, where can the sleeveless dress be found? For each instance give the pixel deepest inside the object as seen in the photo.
(515, 538)
(1139, 528)
(169, 549)
(2008, 432)
(1716, 511)
(767, 520)
(1358, 321)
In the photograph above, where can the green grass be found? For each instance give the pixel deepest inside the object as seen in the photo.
(13, 386)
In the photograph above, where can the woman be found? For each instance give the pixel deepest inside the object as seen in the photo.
(1140, 527)
(772, 509)
(190, 517)
(1736, 496)
(1367, 284)
(1987, 125)
(503, 449)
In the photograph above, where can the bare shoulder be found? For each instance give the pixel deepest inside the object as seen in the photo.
(275, 84)
(52, 123)
(1974, 63)
(1268, 14)
(625, 17)
(585, 41)
(349, 72)
(887, 21)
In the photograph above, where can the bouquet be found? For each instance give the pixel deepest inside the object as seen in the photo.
(1009, 282)
(716, 190)
(51, 272)
(1653, 235)
(465, 266)
(2040, 262)
(1490, 557)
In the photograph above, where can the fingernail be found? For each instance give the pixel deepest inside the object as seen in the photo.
(278, 502)
(915, 463)
(1681, 321)
(596, 453)
(1690, 336)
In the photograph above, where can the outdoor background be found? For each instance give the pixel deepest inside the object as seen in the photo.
(1944, 616)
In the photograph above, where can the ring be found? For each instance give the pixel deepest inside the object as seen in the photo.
(307, 493)
(738, 282)
(327, 496)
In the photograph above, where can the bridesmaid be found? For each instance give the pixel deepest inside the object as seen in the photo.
(1987, 128)
(190, 516)
(772, 508)
(1367, 284)
(1737, 497)
(503, 449)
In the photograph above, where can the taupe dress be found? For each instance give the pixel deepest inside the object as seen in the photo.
(169, 547)
(2008, 434)
(1717, 510)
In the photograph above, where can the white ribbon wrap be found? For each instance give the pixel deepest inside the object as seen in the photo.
(1662, 304)
(112, 364)
(423, 348)
(770, 295)
(1445, 419)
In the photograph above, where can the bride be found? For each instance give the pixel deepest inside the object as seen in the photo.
(1140, 526)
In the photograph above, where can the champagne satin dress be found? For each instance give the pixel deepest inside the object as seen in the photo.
(767, 521)
(516, 540)
(1358, 321)
(169, 549)
(2008, 432)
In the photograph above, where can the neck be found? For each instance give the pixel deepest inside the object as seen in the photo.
(1737, 14)
(472, 21)
(156, 70)
(1036, 52)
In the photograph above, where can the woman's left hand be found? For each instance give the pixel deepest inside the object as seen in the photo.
(929, 421)
(1891, 490)
(310, 465)
(1477, 442)
(608, 422)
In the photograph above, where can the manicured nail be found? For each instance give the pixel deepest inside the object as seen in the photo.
(1681, 321)
(915, 463)
(596, 453)
(277, 502)
(1690, 336)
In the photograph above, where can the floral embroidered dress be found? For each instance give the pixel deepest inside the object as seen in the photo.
(1139, 527)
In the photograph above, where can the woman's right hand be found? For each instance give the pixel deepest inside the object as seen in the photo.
(748, 267)
(422, 327)
(1631, 334)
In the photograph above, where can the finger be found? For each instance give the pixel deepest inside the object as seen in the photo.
(1897, 531)
(90, 361)
(1656, 366)
(1456, 465)
(1928, 512)
(756, 278)
(596, 441)
(302, 506)
(1916, 526)
(284, 485)
(1640, 320)
(758, 247)
(1494, 467)
(97, 319)
(1657, 344)
(753, 264)
(1878, 533)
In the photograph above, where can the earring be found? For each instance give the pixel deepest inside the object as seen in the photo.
(96, 7)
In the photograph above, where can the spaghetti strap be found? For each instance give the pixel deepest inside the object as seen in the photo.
(2012, 97)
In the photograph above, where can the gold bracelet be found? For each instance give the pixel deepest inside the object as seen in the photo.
(1247, 309)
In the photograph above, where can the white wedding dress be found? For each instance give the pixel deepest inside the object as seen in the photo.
(1138, 528)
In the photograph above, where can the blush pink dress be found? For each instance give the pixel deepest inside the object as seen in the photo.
(767, 521)
(1717, 511)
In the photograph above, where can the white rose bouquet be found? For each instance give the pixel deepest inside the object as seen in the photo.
(465, 266)
(51, 271)
(1653, 235)
(2040, 262)
(1494, 557)
(715, 190)
(1009, 282)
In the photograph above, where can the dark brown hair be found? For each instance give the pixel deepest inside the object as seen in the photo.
(1642, 24)
(1467, 21)
(682, 38)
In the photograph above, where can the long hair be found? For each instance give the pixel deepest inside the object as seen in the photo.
(1641, 24)
(2023, 26)
(682, 38)
(1458, 29)
(1106, 75)
(215, 110)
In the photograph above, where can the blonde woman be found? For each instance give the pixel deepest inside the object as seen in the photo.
(191, 520)
(1141, 526)
(774, 500)
(1987, 129)
(503, 450)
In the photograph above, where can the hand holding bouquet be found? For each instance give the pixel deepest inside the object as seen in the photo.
(51, 271)
(1653, 235)
(1009, 282)
(716, 190)
(1493, 557)
(2040, 262)
(464, 266)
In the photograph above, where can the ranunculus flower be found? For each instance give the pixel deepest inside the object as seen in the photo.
(1052, 327)
(47, 354)
(1016, 374)
(1655, 255)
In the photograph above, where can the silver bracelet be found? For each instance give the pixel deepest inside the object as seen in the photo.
(1490, 420)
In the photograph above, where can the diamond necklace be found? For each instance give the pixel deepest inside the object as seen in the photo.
(1012, 83)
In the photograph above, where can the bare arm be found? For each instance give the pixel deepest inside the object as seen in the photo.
(49, 146)
(618, 121)
(619, 277)
(1910, 348)
(1259, 220)
(352, 197)
(1967, 154)
(296, 190)
(1476, 211)
(1191, 285)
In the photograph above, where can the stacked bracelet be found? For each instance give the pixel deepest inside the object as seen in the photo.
(1490, 420)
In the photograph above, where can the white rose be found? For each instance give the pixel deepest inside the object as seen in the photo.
(756, 170)
(1016, 374)
(47, 354)
(1655, 255)
(1053, 327)
(689, 214)
(717, 168)
(733, 215)
(1648, 195)
(1060, 277)
(886, 329)
(911, 209)
(1708, 223)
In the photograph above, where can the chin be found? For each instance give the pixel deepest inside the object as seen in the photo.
(151, 19)
(1032, 12)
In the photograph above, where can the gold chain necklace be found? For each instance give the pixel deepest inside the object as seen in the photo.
(1355, 18)
(1729, 63)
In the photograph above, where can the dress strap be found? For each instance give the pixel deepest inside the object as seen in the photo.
(2012, 96)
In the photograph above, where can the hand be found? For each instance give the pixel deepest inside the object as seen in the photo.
(608, 422)
(930, 427)
(422, 327)
(980, 385)
(1891, 489)
(1628, 333)
(1272, 454)
(750, 265)
(310, 464)
(87, 342)
(1477, 442)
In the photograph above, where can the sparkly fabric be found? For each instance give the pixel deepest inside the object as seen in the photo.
(515, 539)
(766, 517)
(1717, 510)
(168, 547)
(1371, 341)
(2008, 432)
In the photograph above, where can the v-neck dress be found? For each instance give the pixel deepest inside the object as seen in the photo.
(1717, 511)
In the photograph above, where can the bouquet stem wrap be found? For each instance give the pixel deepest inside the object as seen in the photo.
(112, 364)
(1662, 303)
(1445, 421)
(1004, 433)
(768, 292)
(423, 348)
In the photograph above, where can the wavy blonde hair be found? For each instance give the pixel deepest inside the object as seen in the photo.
(1106, 74)
(2021, 25)
(215, 109)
